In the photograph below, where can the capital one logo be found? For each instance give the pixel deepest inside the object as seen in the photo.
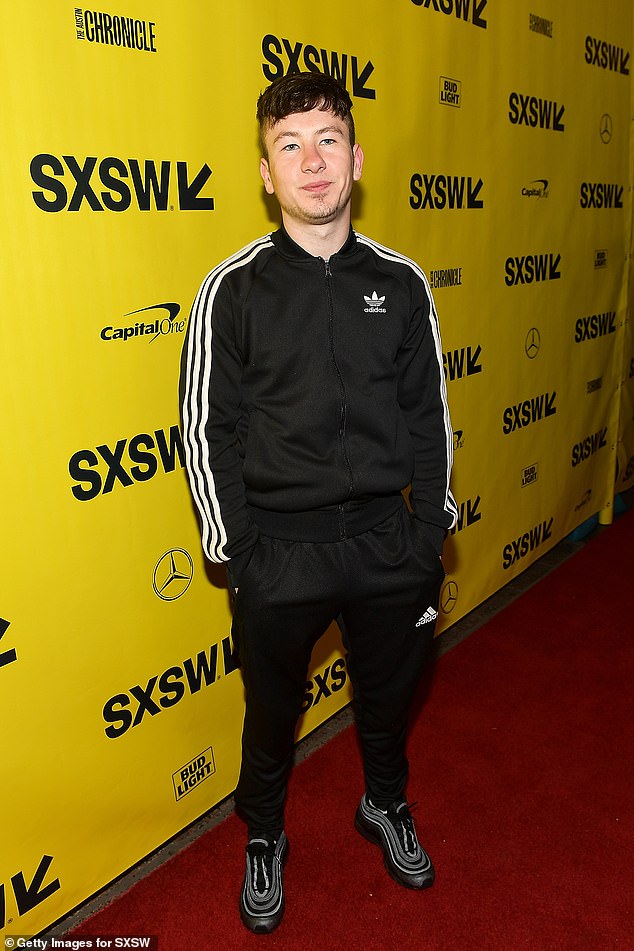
(115, 184)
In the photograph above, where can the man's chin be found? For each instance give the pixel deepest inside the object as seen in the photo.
(321, 213)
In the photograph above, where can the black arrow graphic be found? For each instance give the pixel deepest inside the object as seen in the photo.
(7, 657)
(188, 192)
(359, 80)
(29, 897)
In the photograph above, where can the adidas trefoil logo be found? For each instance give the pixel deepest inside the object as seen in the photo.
(427, 618)
(375, 304)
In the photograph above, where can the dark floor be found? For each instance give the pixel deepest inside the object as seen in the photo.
(457, 633)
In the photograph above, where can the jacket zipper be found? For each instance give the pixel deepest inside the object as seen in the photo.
(343, 410)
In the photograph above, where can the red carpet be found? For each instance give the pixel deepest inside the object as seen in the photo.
(522, 767)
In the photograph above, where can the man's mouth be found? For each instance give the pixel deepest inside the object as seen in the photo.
(316, 187)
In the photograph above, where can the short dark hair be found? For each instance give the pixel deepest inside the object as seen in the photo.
(302, 92)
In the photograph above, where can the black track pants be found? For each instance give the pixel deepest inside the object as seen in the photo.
(383, 583)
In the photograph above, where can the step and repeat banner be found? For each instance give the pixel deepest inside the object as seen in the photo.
(497, 141)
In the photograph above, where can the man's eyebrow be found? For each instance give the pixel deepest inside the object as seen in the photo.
(289, 134)
(285, 134)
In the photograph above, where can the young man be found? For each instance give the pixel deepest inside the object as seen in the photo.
(313, 394)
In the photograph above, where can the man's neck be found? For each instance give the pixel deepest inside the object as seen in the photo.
(319, 240)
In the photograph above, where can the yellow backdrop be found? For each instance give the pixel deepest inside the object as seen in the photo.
(498, 154)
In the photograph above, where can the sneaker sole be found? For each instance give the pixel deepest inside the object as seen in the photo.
(261, 925)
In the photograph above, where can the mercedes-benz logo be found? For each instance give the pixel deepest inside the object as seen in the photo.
(449, 597)
(532, 343)
(605, 128)
(173, 574)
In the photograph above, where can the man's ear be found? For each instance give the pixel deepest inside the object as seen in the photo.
(266, 176)
(357, 155)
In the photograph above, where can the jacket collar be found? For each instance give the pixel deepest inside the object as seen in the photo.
(290, 249)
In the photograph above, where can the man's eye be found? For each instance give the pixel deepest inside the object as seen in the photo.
(290, 147)
(328, 141)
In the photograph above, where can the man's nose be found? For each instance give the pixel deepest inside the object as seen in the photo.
(313, 159)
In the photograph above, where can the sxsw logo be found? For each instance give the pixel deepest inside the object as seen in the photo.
(458, 364)
(144, 450)
(536, 112)
(444, 191)
(458, 439)
(587, 447)
(284, 56)
(528, 412)
(27, 895)
(598, 325)
(192, 774)
(607, 56)
(450, 92)
(471, 11)
(528, 542)
(600, 195)
(468, 514)
(323, 685)
(125, 711)
(532, 268)
(117, 184)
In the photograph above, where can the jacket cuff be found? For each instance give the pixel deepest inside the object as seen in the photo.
(236, 566)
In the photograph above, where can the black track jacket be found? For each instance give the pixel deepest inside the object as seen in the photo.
(312, 393)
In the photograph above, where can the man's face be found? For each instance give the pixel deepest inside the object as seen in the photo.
(311, 166)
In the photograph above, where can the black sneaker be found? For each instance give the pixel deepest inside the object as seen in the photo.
(405, 859)
(262, 898)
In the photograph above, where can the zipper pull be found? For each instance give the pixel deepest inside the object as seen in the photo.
(327, 266)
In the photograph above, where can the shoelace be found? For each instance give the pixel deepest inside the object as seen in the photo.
(403, 824)
(262, 854)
